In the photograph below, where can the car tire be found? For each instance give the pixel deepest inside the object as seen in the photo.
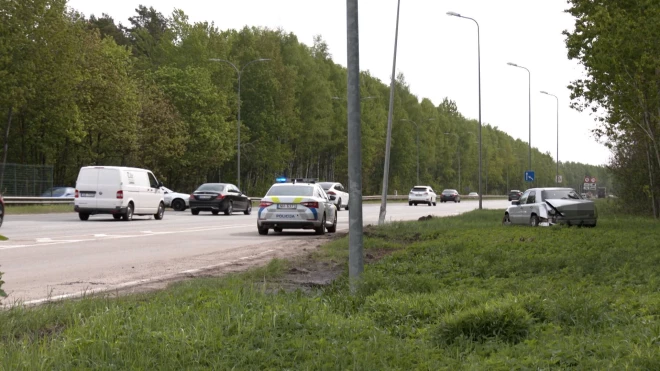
(262, 231)
(430, 203)
(409, 203)
(435, 204)
(178, 205)
(321, 229)
(534, 220)
(346, 207)
(160, 213)
(506, 220)
(415, 203)
(230, 208)
(215, 212)
(277, 230)
(333, 229)
(194, 211)
(82, 216)
(128, 215)
(509, 199)
(248, 210)
(116, 216)
(339, 205)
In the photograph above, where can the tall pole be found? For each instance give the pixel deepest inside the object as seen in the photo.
(458, 150)
(454, 14)
(417, 129)
(529, 92)
(238, 121)
(355, 237)
(386, 170)
(557, 100)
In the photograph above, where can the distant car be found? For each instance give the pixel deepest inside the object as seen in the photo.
(297, 205)
(217, 197)
(450, 195)
(514, 194)
(60, 192)
(337, 190)
(549, 206)
(175, 200)
(422, 195)
(473, 194)
(2, 210)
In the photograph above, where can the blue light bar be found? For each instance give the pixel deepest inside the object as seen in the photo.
(281, 180)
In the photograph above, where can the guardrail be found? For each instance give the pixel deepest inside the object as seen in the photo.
(11, 200)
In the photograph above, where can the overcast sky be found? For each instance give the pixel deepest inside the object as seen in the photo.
(437, 54)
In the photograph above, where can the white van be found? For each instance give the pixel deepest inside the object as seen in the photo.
(120, 191)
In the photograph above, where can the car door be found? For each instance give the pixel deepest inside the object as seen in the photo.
(516, 211)
(329, 207)
(342, 192)
(241, 200)
(433, 195)
(528, 207)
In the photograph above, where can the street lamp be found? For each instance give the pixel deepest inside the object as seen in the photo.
(458, 149)
(238, 122)
(529, 75)
(557, 99)
(417, 127)
(454, 14)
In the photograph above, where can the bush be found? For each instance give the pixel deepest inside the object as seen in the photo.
(2, 293)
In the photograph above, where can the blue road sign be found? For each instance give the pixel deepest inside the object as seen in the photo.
(529, 176)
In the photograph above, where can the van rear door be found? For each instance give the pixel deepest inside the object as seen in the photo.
(109, 182)
(86, 186)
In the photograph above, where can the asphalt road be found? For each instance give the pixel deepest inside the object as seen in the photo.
(55, 256)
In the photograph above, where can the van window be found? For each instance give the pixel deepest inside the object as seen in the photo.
(141, 178)
(152, 181)
(108, 176)
(88, 176)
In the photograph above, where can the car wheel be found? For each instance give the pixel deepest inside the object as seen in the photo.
(509, 199)
(333, 228)
(321, 229)
(339, 205)
(346, 207)
(230, 208)
(409, 203)
(215, 212)
(430, 203)
(128, 216)
(534, 221)
(194, 212)
(248, 210)
(435, 204)
(415, 203)
(263, 231)
(160, 213)
(178, 205)
(506, 220)
(116, 216)
(83, 216)
(277, 230)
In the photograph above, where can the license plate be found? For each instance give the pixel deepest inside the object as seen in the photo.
(287, 206)
(204, 197)
(91, 194)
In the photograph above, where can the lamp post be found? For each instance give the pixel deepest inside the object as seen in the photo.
(458, 149)
(238, 122)
(417, 128)
(529, 75)
(454, 14)
(557, 100)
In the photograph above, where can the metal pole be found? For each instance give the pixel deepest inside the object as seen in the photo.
(355, 237)
(417, 153)
(386, 170)
(459, 169)
(238, 131)
(529, 74)
(557, 104)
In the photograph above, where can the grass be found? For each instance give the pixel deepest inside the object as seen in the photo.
(12, 209)
(450, 293)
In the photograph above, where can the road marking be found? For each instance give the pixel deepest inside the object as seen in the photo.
(142, 281)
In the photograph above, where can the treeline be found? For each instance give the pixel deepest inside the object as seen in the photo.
(617, 42)
(77, 91)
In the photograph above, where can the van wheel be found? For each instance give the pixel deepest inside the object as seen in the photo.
(83, 216)
(128, 216)
(230, 208)
(160, 213)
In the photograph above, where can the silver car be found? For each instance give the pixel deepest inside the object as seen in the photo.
(297, 205)
(548, 206)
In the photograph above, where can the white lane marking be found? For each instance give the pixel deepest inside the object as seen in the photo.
(101, 235)
(142, 281)
(59, 242)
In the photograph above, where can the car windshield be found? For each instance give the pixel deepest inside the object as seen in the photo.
(326, 186)
(448, 191)
(211, 188)
(419, 189)
(55, 192)
(291, 190)
(560, 194)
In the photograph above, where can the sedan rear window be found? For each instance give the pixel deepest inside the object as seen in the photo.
(560, 194)
(449, 191)
(211, 187)
(291, 190)
(326, 186)
(419, 189)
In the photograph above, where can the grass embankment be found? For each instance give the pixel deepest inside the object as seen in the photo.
(12, 209)
(451, 293)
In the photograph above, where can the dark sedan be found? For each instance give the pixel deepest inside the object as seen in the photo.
(514, 194)
(450, 195)
(217, 197)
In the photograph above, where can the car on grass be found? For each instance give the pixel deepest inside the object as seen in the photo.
(450, 195)
(175, 200)
(297, 205)
(514, 194)
(337, 190)
(422, 194)
(549, 206)
(219, 197)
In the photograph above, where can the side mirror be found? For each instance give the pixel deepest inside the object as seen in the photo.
(515, 202)
(160, 184)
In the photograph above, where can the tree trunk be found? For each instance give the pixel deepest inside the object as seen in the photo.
(652, 189)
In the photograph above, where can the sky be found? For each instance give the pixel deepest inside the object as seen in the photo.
(437, 54)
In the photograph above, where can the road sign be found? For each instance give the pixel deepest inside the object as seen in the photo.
(559, 178)
(529, 176)
(587, 179)
(589, 186)
(593, 180)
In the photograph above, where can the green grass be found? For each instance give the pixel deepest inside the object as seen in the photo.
(37, 209)
(451, 293)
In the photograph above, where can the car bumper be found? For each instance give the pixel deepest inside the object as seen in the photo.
(293, 224)
(212, 205)
(449, 198)
(94, 211)
(420, 198)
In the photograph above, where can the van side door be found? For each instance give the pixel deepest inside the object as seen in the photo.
(155, 194)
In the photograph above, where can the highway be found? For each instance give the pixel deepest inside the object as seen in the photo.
(57, 256)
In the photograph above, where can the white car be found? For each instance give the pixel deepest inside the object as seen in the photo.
(422, 195)
(296, 205)
(549, 206)
(175, 200)
(337, 190)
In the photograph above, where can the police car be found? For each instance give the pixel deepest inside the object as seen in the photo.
(297, 204)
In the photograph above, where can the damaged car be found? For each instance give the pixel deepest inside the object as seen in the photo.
(549, 206)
